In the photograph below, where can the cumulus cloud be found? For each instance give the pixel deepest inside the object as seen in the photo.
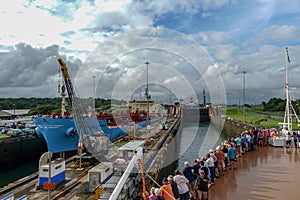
(265, 73)
(26, 68)
(277, 33)
(234, 36)
(212, 37)
(176, 61)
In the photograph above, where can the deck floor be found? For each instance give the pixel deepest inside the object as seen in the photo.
(266, 173)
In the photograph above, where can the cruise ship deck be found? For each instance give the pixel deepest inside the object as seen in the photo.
(266, 173)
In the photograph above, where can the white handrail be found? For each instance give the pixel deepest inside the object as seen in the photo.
(138, 155)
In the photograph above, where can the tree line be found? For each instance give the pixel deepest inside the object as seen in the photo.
(53, 105)
(48, 106)
(278, 104)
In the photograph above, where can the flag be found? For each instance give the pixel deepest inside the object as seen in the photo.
(287, 54)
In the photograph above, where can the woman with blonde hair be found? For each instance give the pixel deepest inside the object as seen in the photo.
(152, 194)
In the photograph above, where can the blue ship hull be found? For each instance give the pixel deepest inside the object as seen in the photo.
(61, 135)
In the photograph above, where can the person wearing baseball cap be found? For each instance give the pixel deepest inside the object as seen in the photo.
(166, 190)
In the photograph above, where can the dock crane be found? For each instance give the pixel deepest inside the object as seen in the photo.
(86, 127)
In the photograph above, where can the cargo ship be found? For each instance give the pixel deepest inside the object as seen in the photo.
(61, 135)
(60, 132)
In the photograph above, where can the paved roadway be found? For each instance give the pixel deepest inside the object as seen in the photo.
(266, 173)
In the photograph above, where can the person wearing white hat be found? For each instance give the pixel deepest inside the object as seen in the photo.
(158, 196)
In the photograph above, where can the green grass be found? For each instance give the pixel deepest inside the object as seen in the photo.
(252, 116)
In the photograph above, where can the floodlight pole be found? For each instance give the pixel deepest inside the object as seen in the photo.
(244, 95)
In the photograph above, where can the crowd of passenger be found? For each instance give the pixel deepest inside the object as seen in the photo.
(194, 181)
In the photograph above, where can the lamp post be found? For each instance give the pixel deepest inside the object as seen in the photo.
(244, 95)
(147, 95)
(94, 84)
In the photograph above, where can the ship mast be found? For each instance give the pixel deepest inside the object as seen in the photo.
(289, 109)
(63, 94)
(286, 122)
(63, 100)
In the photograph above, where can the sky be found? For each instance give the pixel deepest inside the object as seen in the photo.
(233, 50)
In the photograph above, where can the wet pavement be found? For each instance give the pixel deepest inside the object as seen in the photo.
(266, 173)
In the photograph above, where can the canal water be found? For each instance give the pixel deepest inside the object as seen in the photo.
(193, 140)
(196, 139)
(17, 173)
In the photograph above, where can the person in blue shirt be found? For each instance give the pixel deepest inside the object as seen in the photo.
(244, 143)
(232, 158)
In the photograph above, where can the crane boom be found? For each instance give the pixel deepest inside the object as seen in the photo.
(67, 80)
(84, 126)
